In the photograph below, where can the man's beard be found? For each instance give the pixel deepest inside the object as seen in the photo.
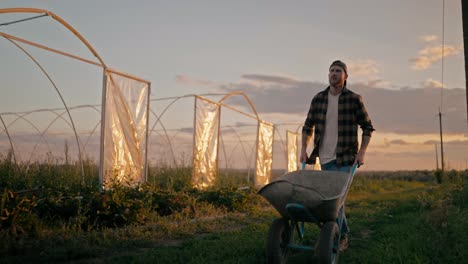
(336, 82)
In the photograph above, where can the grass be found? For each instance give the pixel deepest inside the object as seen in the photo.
(393, 219)
(394, 226)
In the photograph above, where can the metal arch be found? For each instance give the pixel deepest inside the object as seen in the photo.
(232, 152)
(242, 146)
(78, 35)
(30, 123)
(47, 128)
(201, 96)
(167, 107)
(11, 142)
(61, 97)
(224, 151)
(49, 49)
(90, 135)
(94, 129)
(24, 114)
(170, 104)
(61, 21)
(158, 119)
(168, 139)
(165, 133)
(95, 107)
(252, 106)
(164, 111)
(187, 95)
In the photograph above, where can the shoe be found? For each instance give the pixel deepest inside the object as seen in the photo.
(344, 242)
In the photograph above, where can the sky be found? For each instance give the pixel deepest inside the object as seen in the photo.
(276, 52)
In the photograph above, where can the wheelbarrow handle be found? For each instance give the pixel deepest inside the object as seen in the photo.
(354, 168)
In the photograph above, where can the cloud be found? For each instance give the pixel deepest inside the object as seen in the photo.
(367, 68)
(272, 79)
(378, 83)
(430, 55)
(431, 83)
(428, 38)
(431, 142)
(450, 142)
(406, 110)
(366, 72)
(273, 98)
(399, 142)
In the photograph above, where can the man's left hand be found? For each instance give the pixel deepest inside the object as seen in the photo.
(360, 158)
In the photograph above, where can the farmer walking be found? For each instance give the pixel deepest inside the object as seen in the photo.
(335, 114)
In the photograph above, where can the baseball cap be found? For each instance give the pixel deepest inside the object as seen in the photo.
(340, 64)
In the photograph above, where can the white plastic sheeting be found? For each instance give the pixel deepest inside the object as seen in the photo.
(291, 144)
(263, 165)
(124, 130)
(205, 151)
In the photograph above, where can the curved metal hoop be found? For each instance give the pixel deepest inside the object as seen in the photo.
(79, 36)
(252, 106)
(61, 98)
(61, 21)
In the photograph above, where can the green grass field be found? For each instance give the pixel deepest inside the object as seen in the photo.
(393, 219)
(408, 224)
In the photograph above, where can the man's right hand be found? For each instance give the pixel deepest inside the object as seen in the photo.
(303, 158)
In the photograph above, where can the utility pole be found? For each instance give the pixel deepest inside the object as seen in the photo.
(437, 157)
(465, 41)
(441, 145)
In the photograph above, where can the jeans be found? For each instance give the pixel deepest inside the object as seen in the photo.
(331, 166)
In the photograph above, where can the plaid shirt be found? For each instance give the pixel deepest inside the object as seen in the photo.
(351, 112)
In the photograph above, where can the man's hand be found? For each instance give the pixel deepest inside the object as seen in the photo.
(303, 157)
(360, 157)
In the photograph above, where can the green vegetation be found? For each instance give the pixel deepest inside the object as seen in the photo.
(49, 215)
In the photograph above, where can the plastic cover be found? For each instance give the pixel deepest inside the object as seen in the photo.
(264, 153)
(125, 131)
(291, 145)
(205, 152)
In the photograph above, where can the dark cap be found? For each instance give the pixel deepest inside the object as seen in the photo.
(341, 64)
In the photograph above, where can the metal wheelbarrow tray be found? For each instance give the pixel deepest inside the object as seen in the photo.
(321, 192)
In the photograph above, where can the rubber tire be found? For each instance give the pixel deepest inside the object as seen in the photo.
(279, 235)
(329, 243)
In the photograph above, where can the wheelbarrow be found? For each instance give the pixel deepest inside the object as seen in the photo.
(307, 196)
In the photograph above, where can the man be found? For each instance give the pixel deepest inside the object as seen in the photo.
(335, 114)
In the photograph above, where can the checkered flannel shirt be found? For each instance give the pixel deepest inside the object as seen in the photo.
(351, 113)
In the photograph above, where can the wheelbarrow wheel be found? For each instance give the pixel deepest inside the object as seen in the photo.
(329, 241)
(278, 239)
